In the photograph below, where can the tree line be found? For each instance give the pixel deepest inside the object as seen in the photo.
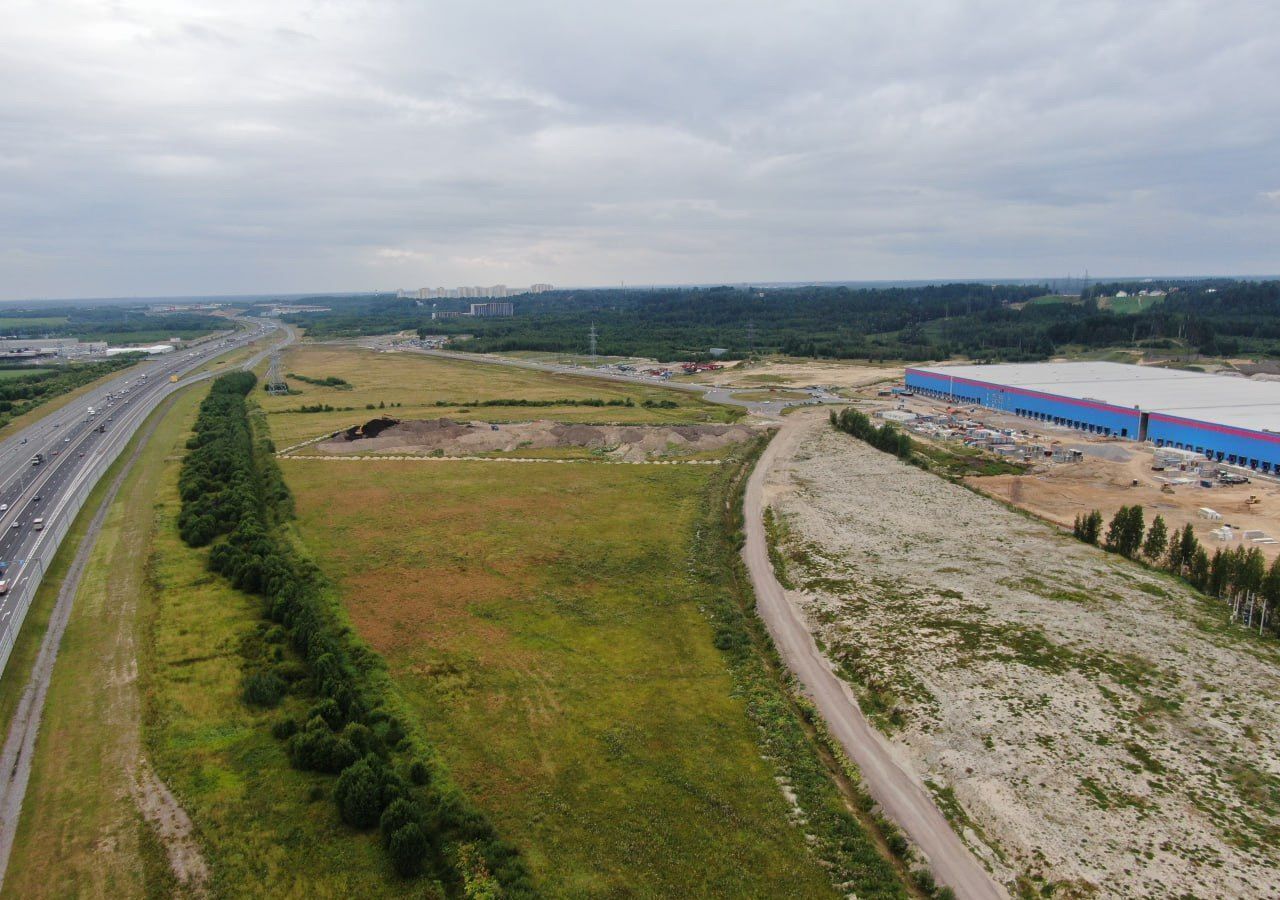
(1240, 576)
(884, 437)
(234, 500)
(30, 389)
(978, 321)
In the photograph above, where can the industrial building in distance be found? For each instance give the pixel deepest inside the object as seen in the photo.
(1227, 418)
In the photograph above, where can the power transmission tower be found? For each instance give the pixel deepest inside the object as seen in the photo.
(751, 337)
(591, 342)
(275, 381)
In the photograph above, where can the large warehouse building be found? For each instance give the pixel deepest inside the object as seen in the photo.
(1228, 418)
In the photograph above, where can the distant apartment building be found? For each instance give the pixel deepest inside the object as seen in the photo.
(477, 292)
(493, 309)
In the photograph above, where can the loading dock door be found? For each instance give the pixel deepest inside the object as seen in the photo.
(1142, 427)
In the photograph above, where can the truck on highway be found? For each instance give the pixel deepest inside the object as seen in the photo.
(37, 459)
(4, 586)
(37, 524)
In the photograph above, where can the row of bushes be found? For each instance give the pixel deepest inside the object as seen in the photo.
(234, 498)
(332, 381)
(1240, 576)
(884, 437)
(508, 401)
(319, 408)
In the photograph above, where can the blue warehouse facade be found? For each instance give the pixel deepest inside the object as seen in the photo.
(1227, 419)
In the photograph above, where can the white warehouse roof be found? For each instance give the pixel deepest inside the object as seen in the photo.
(1218, 399)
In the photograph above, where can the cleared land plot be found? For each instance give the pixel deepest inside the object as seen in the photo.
(783, 372)
(1060, 493)
(632, 443)
(418, 382)
(546, 631)
(1101, 724)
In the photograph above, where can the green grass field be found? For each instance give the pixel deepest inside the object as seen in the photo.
(26, 370)
(543, 624)
(418, 381)
(1130, 305)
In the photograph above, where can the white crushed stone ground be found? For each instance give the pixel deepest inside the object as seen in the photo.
(1099, 723)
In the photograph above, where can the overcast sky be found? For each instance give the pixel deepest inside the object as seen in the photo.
(154, 147)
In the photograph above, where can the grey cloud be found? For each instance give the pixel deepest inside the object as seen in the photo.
(175, 147)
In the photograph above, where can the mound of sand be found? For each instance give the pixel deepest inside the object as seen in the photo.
(626, 442)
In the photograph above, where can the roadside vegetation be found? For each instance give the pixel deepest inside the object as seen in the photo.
(23, 390)
(233, 497)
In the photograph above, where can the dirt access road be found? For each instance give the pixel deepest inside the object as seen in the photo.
(901, 794)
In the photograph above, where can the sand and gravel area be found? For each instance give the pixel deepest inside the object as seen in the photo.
(796, 373)
(629, 443)
(1085, 722)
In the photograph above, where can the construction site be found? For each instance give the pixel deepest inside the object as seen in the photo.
(447, 437)
(1071, 471)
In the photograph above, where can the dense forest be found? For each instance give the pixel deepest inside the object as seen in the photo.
(979, 321)
(106, 323)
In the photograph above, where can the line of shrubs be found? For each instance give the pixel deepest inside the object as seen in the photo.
(507, 401)
(232, 498)
(884, 437)
(319, 408)
(332, 381)
(1240, 576)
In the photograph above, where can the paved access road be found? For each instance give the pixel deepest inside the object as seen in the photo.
(73, 444)
(904, 799)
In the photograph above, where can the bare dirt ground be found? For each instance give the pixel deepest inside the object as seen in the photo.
(623, 442)
(798, 373)
(1060, 492)
(1084, 722)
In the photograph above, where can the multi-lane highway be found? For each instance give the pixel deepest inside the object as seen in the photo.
(74, 446)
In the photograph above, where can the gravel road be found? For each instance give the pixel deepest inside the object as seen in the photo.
(899, 792)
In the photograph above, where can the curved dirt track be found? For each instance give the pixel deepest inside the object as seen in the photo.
(899, 792)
